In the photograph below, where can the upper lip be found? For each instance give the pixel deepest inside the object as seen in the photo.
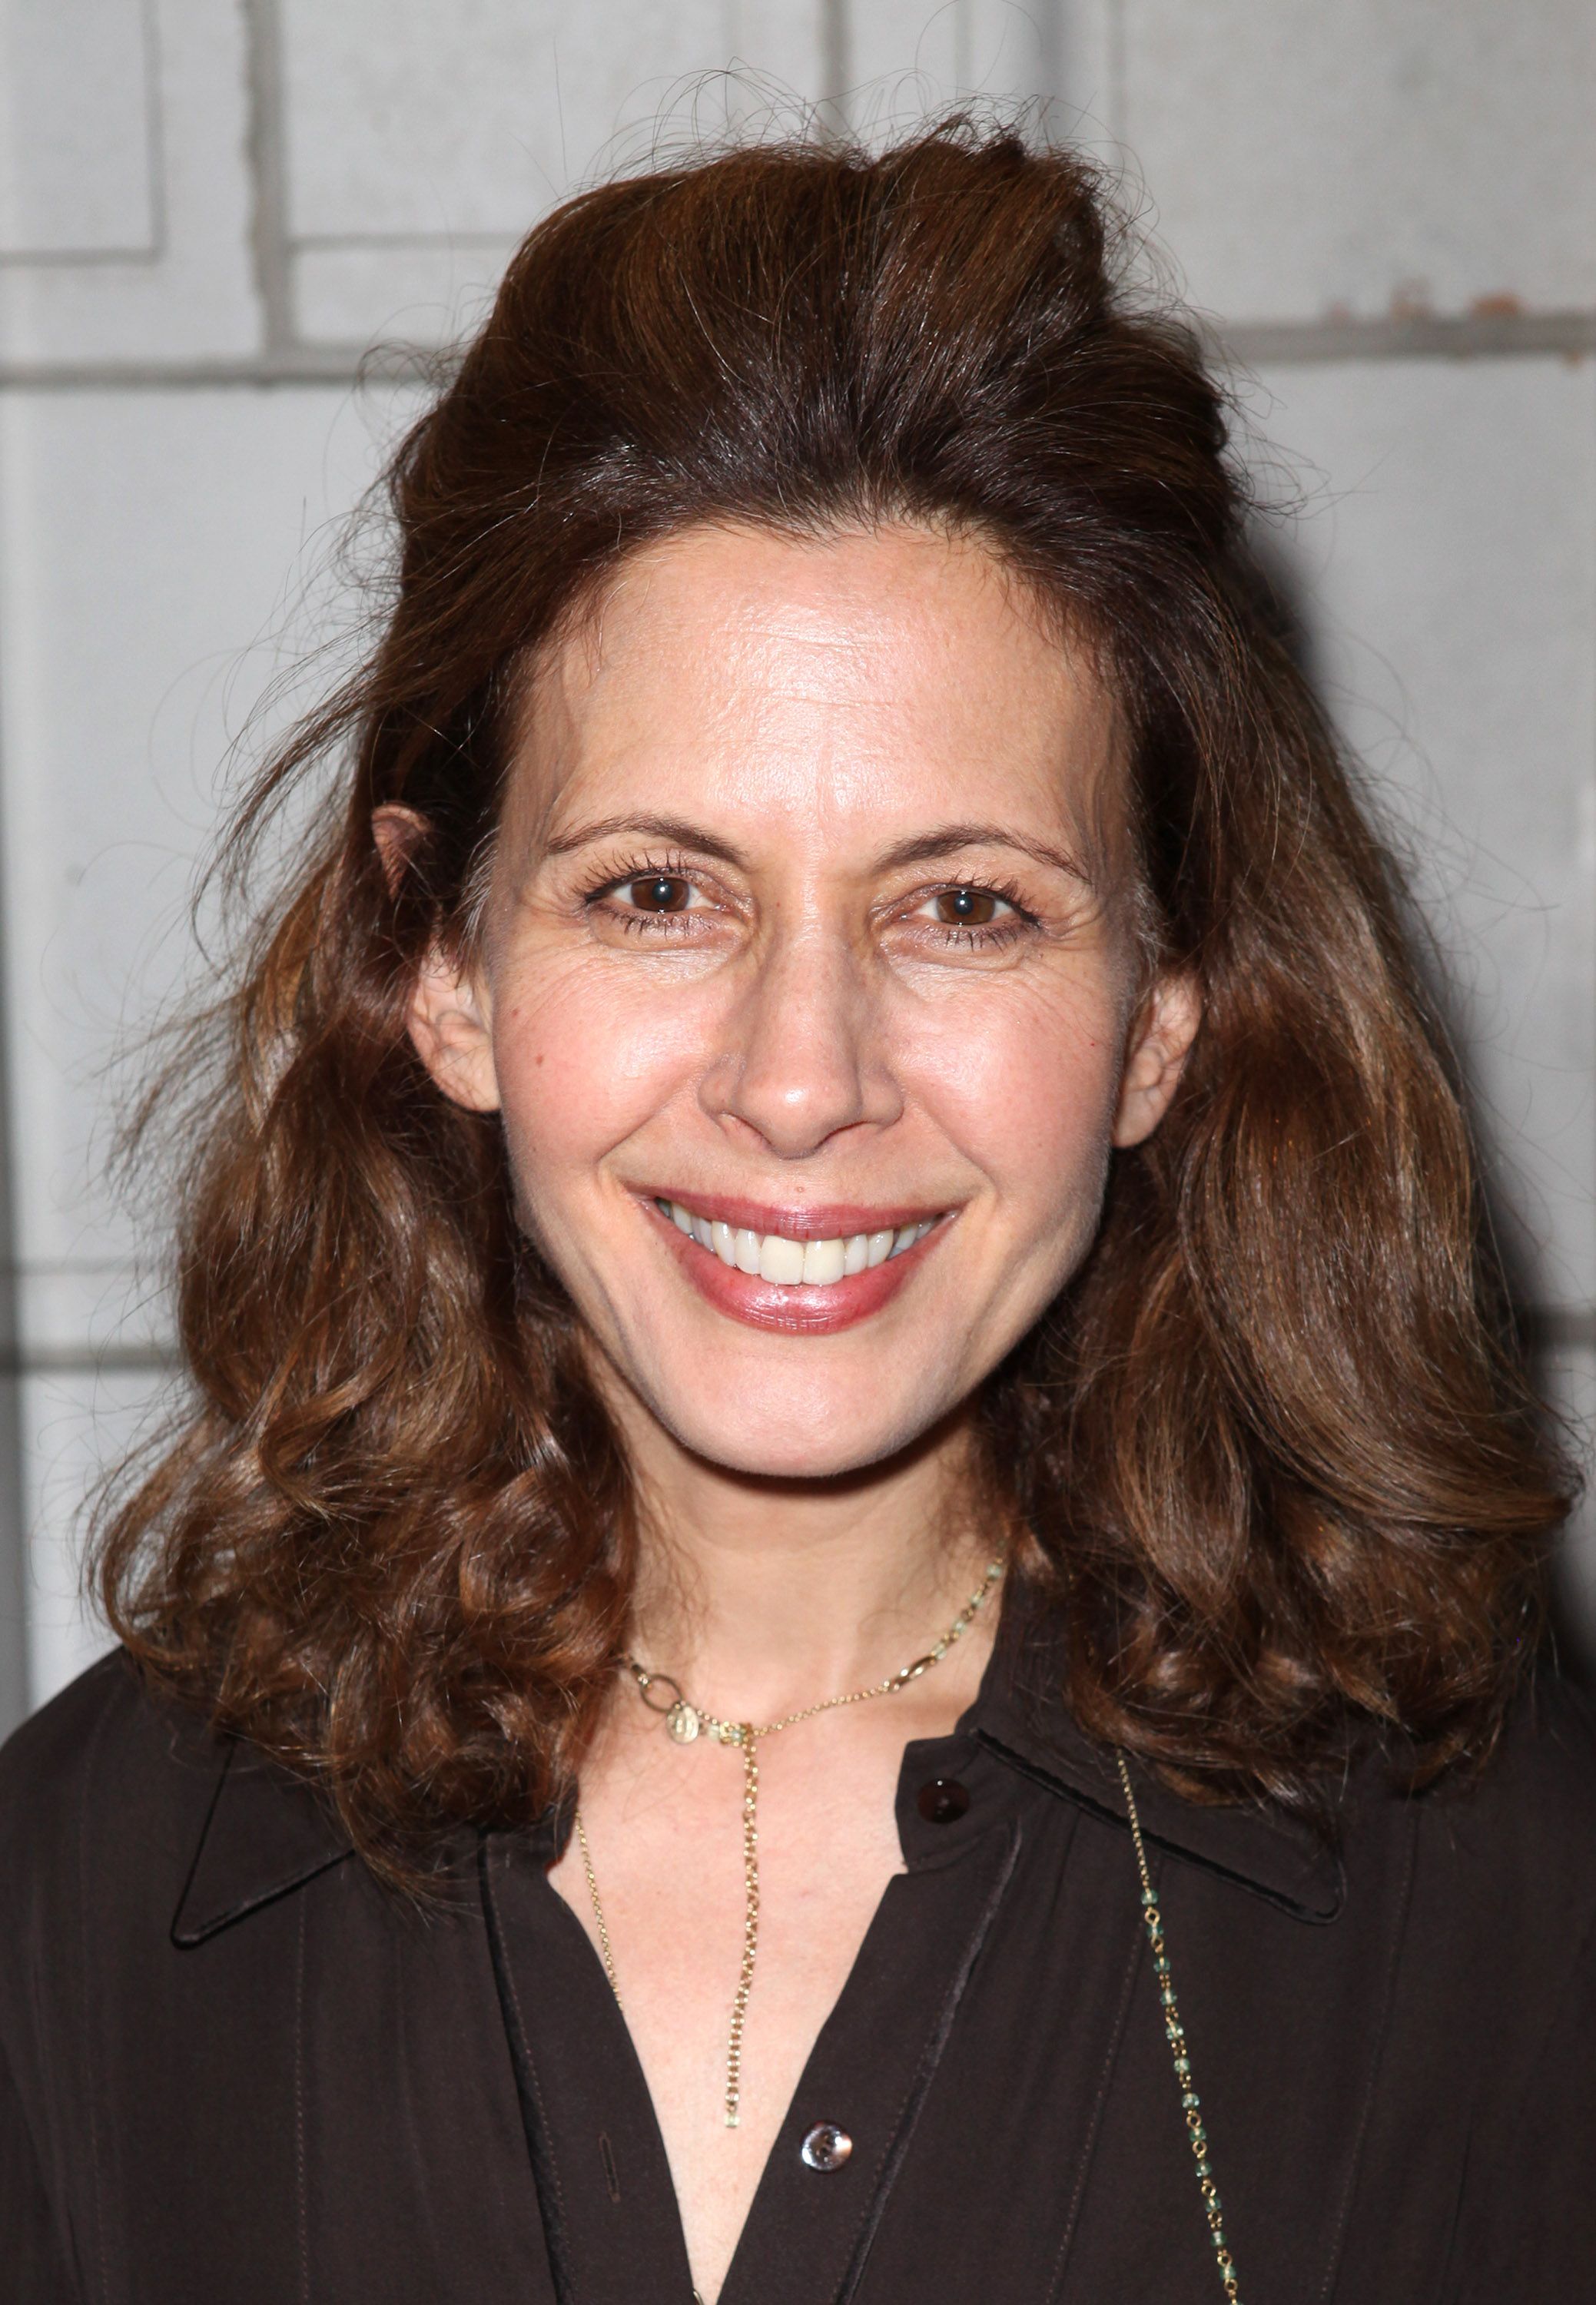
(814, 1221)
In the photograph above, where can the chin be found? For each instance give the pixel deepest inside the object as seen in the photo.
(816, 1440)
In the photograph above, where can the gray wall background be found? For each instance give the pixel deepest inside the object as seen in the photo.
(210, 209)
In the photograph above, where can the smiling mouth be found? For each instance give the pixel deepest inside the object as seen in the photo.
(777, 1258)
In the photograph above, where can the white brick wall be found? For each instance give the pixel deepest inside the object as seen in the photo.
(210, 209)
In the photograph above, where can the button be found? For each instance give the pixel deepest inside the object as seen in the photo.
(942, 1801)
(826, 2148)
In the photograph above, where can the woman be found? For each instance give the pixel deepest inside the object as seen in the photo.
(848, 1607)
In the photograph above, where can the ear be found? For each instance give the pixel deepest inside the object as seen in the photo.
(397, 832)
(449, 1015)
(1160, 1039)
(452, 1024)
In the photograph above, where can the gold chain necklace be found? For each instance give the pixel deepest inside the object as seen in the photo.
(685, 1723)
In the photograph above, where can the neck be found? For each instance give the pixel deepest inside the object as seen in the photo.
(760, 1596)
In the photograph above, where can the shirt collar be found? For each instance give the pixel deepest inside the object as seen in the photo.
(266, 1831)
(1021, 1715)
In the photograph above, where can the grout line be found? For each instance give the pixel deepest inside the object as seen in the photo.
(77, 259)
(1464, 336)
(836, 55)
(1119, 75)
(502, 244)
(1474, 335)
(14, 1592)
(89, 1360)
(332, 364)
(1050, 56)
(268, 171)
(1554, 1328)
(155, 126)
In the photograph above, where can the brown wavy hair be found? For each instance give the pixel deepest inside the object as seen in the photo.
(1282, 1475)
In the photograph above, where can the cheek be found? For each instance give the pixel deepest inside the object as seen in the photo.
(582, 1063)
(1027, 1087)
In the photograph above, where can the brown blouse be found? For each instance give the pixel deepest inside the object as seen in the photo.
(233, 2068)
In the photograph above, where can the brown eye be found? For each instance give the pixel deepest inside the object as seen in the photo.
(966, 908)
(659, 892)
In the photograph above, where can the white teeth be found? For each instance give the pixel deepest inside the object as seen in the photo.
(824, 1262)
(813, 1263)
(780, 1259)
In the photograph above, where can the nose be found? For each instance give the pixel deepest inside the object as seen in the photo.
(805, 1055)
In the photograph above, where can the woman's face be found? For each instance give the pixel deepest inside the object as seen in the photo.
(807, 992)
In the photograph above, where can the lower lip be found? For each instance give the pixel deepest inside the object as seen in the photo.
(803, 1311)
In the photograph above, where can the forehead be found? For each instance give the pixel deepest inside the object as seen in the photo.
(831, 685)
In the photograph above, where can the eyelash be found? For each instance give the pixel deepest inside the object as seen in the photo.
(983, 936)
(640, 867)
(1019, 922)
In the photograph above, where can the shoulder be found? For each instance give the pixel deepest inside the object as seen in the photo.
(1509, 1856)
(107, 1772)
(1548, 1753)
(1536, 1797)
(106, 1733)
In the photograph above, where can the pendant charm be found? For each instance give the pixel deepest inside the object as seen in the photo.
(682, 1722)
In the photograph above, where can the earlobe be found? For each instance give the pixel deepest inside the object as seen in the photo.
(1155, 1053)
(449, 1015)
(450, 1023)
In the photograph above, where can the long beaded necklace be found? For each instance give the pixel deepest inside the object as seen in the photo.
(685, 1723)
(1195, 2134)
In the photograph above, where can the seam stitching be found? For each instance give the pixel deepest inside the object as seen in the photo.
(909, 2111)
(301, 2172)
(89, 2058)
(1387, 1993)
(1089, 2142)
(534, 2121)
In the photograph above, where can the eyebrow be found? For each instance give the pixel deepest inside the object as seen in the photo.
(947, 839)
(675, 830)
(921, 848)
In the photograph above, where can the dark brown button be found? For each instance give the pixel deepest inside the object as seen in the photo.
(942, 1801)
(825, 2147)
